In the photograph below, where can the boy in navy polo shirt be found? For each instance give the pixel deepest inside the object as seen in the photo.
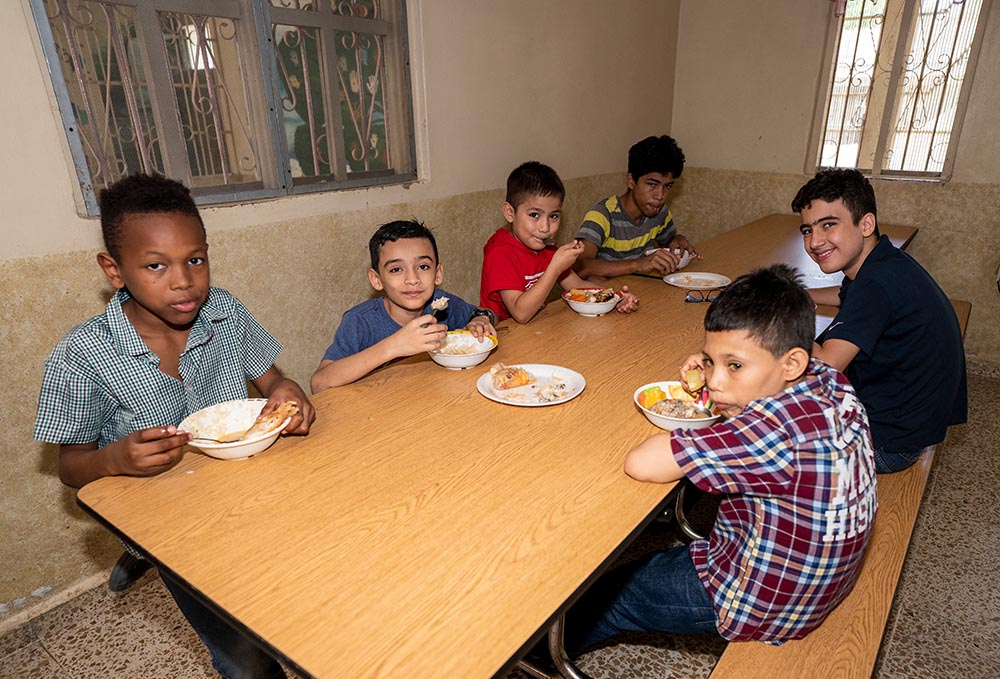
(793, 464)
(896, 334)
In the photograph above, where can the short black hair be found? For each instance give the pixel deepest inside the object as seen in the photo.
(771, 306)
(393, 231)
(655, 154)
(533, 179)
(844, 184)
(141, 194)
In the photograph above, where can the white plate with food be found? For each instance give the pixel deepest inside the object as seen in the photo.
(530, 384)
(697, 280)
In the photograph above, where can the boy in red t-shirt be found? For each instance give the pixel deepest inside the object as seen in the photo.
(521, 264)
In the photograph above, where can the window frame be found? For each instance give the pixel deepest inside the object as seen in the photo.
(258, 64)
(825, 92)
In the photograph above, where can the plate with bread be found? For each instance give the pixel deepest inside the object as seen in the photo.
(530, 384)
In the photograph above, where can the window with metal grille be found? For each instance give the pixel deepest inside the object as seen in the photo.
(898, 86)
(239, 99)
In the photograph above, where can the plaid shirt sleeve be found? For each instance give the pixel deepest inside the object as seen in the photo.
(751, 453)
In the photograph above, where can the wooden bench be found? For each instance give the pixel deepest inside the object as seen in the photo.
(846, 645)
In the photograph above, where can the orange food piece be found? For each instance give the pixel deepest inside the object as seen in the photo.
(650, 396)
(578, 298)
(677, 392)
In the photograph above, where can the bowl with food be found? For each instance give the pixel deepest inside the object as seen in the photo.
(234, 430)
(684, 258)
(462, 350)
(591, 302)
(668, 406)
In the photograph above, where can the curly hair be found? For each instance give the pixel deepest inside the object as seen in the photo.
(141, 194)
(834, 184)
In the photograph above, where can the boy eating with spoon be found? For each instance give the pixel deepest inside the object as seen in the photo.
(404, 320)
(168, 344)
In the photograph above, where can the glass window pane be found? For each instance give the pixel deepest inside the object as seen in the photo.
(302, 87)
(368, 9)
(931, 82)
(215, 116)
(308, 5)
(362, 101)
(101, 61)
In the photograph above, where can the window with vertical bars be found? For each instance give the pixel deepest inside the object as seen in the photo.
(899, 82)
(240, 99)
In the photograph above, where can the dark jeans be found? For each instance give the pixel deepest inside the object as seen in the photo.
(661, 593)
(886, 462)
(234, 655)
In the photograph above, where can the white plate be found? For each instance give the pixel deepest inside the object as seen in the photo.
(527, 395)
(697, 280)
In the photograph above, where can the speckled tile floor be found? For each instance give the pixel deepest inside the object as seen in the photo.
(945, 621)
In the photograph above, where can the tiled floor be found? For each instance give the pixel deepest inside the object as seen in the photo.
(945, 623)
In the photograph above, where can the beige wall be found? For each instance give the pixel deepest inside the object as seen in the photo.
(499, 83)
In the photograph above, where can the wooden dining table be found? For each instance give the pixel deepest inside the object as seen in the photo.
(421, 529)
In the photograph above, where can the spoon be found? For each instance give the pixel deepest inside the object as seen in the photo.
(209, 438)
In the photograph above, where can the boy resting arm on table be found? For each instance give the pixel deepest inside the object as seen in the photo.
(168, 344)
(794, 466)
(521, 265)
(403, 322)
(618, 232)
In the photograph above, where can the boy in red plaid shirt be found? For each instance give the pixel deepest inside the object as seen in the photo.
(794, 465)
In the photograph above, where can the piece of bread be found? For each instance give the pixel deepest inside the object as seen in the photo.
(694, 380)
(267, 423)
(510, 376)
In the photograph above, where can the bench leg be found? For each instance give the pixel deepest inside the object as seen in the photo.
(564, 666)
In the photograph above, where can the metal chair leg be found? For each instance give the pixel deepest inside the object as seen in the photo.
(682, 521)
(564, 666)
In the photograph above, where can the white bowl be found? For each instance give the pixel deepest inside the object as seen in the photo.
(685, 256)
(473, 351)
(668, 423)
(592, 309)
(225, 419)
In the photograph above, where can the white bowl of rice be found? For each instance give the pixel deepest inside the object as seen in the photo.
(462, 350)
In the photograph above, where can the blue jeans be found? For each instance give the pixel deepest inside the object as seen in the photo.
(661, 593)
(886, 462)
(234, 655)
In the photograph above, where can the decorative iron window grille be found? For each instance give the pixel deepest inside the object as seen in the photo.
(240, 99)
(898, 85)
